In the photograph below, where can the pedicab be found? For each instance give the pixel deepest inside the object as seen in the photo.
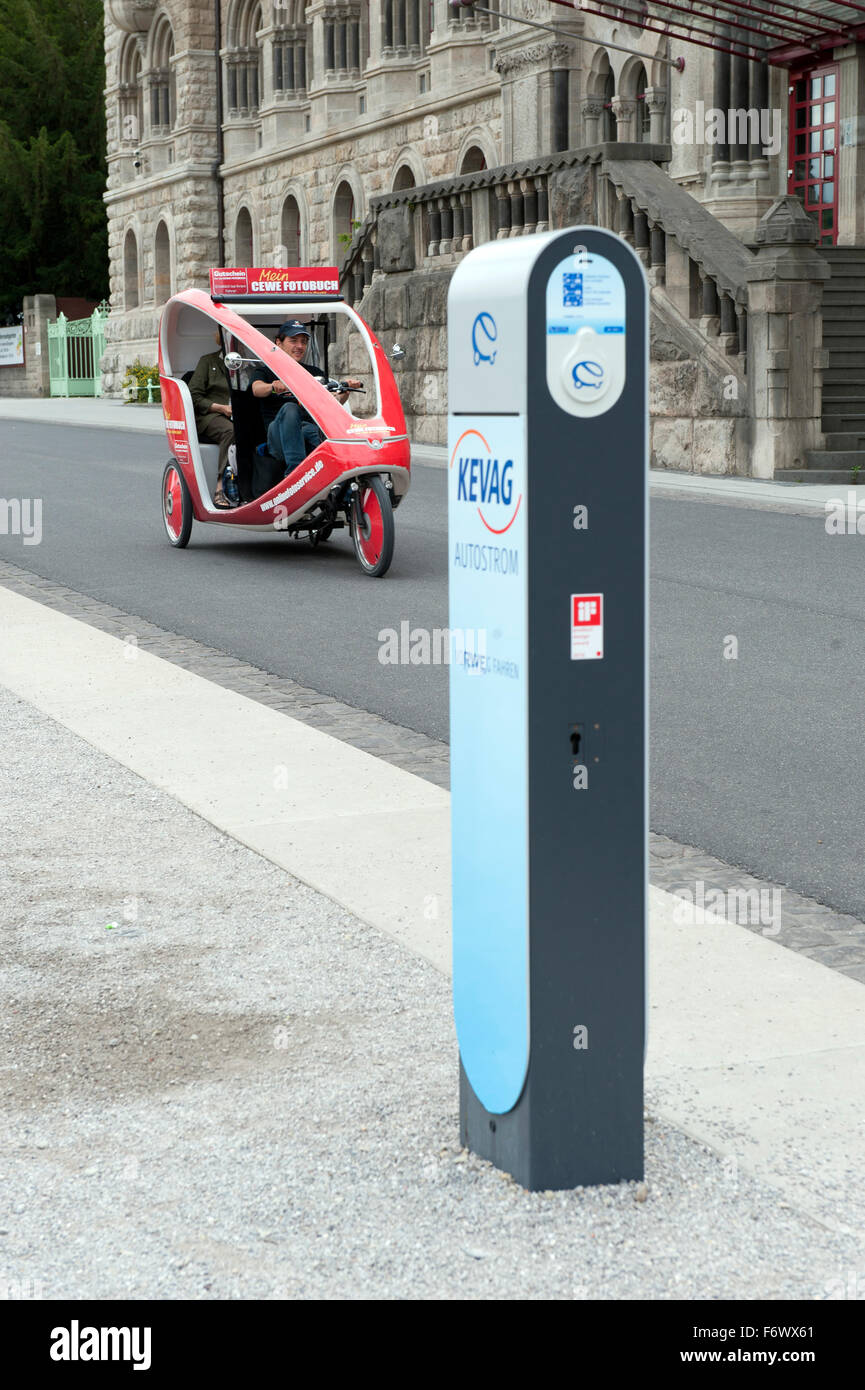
(354, 478)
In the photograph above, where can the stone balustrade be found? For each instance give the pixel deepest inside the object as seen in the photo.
(735, 312)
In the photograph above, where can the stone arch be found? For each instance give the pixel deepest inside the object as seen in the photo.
(291, 14)
(346, 208)
(597, 73)
(404, 179)
(162, 79)
(162, 276)
(643, 120)
(609, 125)
(244, 63)
(130, 92)
(477, 151)
(244, 237)
(131, 274)
(243, 21)
(292, 233)
(407, 171)
(633, 83)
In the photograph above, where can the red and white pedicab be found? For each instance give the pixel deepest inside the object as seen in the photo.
(354, 478)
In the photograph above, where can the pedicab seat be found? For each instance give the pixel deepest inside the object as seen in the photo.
(210, 462)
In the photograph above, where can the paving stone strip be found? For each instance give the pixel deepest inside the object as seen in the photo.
(706, 884)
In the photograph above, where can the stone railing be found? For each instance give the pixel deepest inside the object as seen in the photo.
(700, 263)
(751, 317)
(434, 225)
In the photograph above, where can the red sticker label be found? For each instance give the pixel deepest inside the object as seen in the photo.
(587, 627)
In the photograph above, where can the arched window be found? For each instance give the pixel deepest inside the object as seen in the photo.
(243, 247)
(474, 160)
(131, 94)
(644, 115)
(608, 120)
(243, 64)
(162, 265)
(289, 50)
(130, 271)
(163, 88)
(404, 178)
(290, 231)
(343, 217)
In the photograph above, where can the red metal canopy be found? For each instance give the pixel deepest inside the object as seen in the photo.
(773, 31)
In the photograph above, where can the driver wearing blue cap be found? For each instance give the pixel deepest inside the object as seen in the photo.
(291, 431)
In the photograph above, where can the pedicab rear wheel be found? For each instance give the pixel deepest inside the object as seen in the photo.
(176, 505)
(372, 528)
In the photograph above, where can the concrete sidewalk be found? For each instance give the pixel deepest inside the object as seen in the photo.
(87, 411)
(749, 492)
(756, 1053)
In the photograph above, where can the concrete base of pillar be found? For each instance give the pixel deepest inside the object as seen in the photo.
(740, 206)
(782, 444)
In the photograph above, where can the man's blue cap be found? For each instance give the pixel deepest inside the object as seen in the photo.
(292, 327)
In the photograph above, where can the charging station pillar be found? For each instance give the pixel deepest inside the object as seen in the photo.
(547, 560)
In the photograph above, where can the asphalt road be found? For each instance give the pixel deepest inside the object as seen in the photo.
(757, 760)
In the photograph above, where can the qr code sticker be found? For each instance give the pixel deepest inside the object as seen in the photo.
(573, 290)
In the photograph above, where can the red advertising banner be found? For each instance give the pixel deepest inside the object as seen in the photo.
(269, 280)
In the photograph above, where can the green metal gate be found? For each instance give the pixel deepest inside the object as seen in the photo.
(75, 350)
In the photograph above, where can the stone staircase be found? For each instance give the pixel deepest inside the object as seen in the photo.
(844, 379)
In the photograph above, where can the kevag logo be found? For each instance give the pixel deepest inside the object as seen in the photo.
(485, 482)
(588, 374)
(484, 337)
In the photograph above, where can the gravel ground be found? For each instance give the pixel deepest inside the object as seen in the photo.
(218, 1084)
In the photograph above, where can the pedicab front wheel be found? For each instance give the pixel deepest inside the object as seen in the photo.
(372, 527)
(176, 505)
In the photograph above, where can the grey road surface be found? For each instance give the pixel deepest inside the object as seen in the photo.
(756, 757)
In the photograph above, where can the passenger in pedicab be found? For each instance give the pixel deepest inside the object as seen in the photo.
(291, 431)
(211, 399)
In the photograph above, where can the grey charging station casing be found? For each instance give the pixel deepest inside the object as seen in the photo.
(548, 729)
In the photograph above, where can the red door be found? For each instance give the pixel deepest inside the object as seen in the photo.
(813, 167)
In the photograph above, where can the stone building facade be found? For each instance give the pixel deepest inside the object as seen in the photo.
(276, 138)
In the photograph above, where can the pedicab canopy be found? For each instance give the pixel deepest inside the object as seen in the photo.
(270, 282)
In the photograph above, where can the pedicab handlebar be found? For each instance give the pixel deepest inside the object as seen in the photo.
(234, 362)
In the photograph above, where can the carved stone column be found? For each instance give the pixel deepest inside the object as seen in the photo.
(530, 205)
(641, 235)
(468, 221)
(515, 194)
(656, 102)
(759, 102)
(624, 217)
(625, 114)
(503, 211)
(592, 111)
(721, 102)
(741, 89)
(543, 192)
(658, 249)
(710, 315)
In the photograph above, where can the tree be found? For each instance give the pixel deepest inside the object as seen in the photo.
(53, 226)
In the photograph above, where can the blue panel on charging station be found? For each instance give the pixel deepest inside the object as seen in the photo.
(487, 561)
